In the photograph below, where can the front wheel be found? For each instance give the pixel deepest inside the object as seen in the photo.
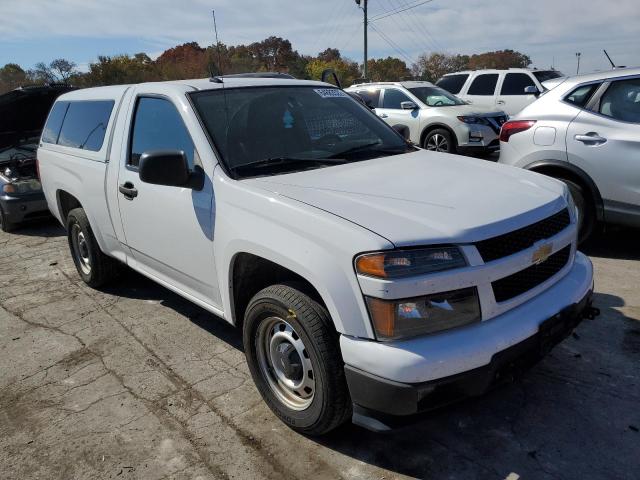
(5, 224)
(585, 211)
(293, 355)
(439, 140)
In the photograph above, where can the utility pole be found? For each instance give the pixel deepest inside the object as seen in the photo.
(578, 54)
(364, 9)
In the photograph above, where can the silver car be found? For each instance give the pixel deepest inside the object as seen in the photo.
(432, 117)
(586, 132)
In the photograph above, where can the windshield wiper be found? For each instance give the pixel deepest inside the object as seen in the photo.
(367, 148)
(280, 161)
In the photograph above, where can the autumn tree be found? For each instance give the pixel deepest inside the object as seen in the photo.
(433, 66)
(500, 59)
(12, 76)
(388, 69)
(188, 60)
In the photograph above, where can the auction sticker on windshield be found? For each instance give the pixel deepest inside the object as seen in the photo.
(330, 92)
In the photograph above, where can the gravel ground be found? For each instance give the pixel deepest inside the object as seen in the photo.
(134, 382)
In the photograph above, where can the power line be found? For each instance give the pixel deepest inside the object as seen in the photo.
(408, 28)
(393, 12)
(432, 41)
(393, 45)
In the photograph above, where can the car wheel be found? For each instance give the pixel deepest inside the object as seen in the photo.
(439, 140)
(294, 358)
(586, 211)
(5, 225)
(95, 268)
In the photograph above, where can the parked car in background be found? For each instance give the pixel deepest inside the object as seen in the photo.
(22, 115)
(432, 117)
(585, 132)
(509, 90)
(370, 277)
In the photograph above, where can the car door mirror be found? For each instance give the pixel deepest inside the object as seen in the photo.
(169, 168)
(408, 106)
(531, 90)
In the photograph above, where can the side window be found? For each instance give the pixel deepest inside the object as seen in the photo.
(158, 126)
(515, 83)
(581, 95)
(85, 124)
(452, 83)
(484, 84)
(370, 97)
(52, 128)
(621, 101)
(393, 98)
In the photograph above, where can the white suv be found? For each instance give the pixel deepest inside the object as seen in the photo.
(509, 90)
(585, 132)
(433, 118)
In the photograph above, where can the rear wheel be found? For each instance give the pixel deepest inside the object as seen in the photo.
(293, 355)
(5, 224)
(584, 206)
(439, 140)
(94, 267)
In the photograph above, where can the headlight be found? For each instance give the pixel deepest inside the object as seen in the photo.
(22, 187)
(472, 119)
(571, 205)
(411, 317)
(405, 263)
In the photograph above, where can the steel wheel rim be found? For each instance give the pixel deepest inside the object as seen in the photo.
(285, 363)
(81, 249)
(437, 143)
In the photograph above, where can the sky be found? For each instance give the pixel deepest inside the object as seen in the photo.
(549, 31)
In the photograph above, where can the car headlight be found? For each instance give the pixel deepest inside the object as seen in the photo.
(22, 187)
(396, 319)
(410, 262)
(472, 119)
(571, 205)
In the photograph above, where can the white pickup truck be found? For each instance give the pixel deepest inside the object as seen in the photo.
(371, 279)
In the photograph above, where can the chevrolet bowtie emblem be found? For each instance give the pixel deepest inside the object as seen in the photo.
(541, 254)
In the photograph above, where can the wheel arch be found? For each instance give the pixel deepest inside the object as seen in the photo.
(66, 202)
(435, 126)
(556, 168)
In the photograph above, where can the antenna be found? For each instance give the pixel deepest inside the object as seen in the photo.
(217, 78)
(613, 65)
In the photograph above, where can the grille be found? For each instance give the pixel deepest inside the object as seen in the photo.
(518, 240)
(524, 280)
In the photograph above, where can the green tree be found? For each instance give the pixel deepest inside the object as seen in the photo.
(388, 69)
(346, 70)
(433, 66)
(500, 59)
(12, 76)
(120, 69)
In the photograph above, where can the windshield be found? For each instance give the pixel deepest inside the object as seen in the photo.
(544, 75)
(436, 97)
(269, 130)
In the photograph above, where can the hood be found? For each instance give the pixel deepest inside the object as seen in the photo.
(425, 197)
(473, 110)
(24, 111)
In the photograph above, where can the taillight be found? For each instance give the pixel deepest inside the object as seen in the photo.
(513, 127)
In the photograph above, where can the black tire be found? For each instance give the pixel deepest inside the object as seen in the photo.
(433, 141)
(94, 267)
(330, 405)
(586, 210)
(5, 225)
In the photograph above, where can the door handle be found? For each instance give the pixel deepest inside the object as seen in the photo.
(500, 102)
(383, 115)
(127, 189)
(591, 138)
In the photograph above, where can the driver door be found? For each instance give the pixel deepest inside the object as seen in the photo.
(392, 113)
(169, 230)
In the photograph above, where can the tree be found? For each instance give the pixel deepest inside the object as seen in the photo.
(388, 69)
(59, 70)
(329, 55)
(500, 59)
(347, 70)
(120, 69)
(12, 76)
(188, 60)
(432, 67)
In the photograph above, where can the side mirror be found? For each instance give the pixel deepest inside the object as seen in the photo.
(169, 168)
(408, 106)
(531, 90)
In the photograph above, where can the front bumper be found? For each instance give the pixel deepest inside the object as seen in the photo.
(477, 139)
(404, 378)
(24, 207)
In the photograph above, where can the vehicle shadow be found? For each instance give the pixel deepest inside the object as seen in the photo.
(133, 285)
(47, 227)
(614, 242)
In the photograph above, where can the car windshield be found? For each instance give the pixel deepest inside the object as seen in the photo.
(544, 75)
(271, 130)
(436, 97)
